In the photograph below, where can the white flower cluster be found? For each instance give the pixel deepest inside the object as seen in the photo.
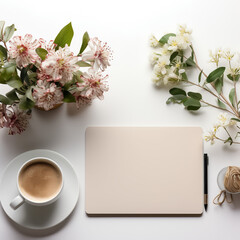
(224, 121)
(233, 60)
(165, 71)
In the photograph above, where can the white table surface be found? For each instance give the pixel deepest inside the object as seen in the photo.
(131, 101)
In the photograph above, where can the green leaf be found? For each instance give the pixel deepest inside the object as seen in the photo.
(8, 33)
(214, 75)
(177, 91)
(77, 76)
(68, 97)
(229, 140)
(232, 96)
(200, 76)
(173, 55)
(219, 84)
(190, 62)
(3, 52)
(192, 54)
(42, 53)
(176, 99)
(230, 76)
(192, 108)
(12, 95)
(221, 104)
(235, 119)
(26, 103)
(2, 23)
(24, 76)
(165, 38)
(195, 95)
(5, 100)
(85, 41)
(15, 83)
(29, 93)
(184, 76)
(83, 64)
(191, 104)
(233, 77)
(64, 36)
(7, 72)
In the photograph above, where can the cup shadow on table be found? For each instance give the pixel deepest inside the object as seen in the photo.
(42, 217)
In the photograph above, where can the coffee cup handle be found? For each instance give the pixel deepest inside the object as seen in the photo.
(17, 202)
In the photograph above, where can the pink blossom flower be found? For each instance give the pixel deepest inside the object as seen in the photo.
(93, 86)
(59, 66)
(47, 95)
(22, 49)
(13, 118)
(99, 54)
(50, 46)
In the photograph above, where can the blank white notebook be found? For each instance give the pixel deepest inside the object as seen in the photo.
(144, 170)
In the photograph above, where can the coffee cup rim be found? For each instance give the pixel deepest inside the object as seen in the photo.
(53, 198)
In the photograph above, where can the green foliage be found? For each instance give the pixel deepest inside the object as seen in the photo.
(176, 99)
(42, 53)
(165, 38)
(173, 56)
(200, 76)
(235, 119)
(3, 53)
(7, 72)
(232, 96)
(12, 95)
(184, 76)
(191, 104)
(68, 97)
(221, 104)
(177, 91)
(24, 76)
(85, 41)
(64, 36)
(190, 62)
(25, 103)
(233, 77)
(2, 23)
(83, 64)
(219, 84)
(29, 93)
(195, 95)
(8, 32)
(214, 75)
(5, 100)
(15, 82)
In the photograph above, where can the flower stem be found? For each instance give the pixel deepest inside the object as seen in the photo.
(220, 139)
(221, 96)
(209, 104)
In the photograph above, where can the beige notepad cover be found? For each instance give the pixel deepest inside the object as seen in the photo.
(144, 170)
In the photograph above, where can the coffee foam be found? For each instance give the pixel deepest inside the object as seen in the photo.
(40, 181)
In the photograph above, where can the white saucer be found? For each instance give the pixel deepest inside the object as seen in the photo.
(220, 180)
(45, 217)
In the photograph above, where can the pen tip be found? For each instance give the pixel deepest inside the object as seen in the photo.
(205, 206)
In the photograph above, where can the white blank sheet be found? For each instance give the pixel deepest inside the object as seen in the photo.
(144, 170)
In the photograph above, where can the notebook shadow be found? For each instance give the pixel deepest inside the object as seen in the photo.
(143, 215)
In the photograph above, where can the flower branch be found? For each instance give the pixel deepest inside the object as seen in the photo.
(171, 63)
(46, 74)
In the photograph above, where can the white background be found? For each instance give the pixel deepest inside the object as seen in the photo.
(131, 101)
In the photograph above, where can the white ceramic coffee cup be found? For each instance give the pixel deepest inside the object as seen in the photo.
(21, 198)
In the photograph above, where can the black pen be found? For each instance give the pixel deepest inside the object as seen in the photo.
(205, 181)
